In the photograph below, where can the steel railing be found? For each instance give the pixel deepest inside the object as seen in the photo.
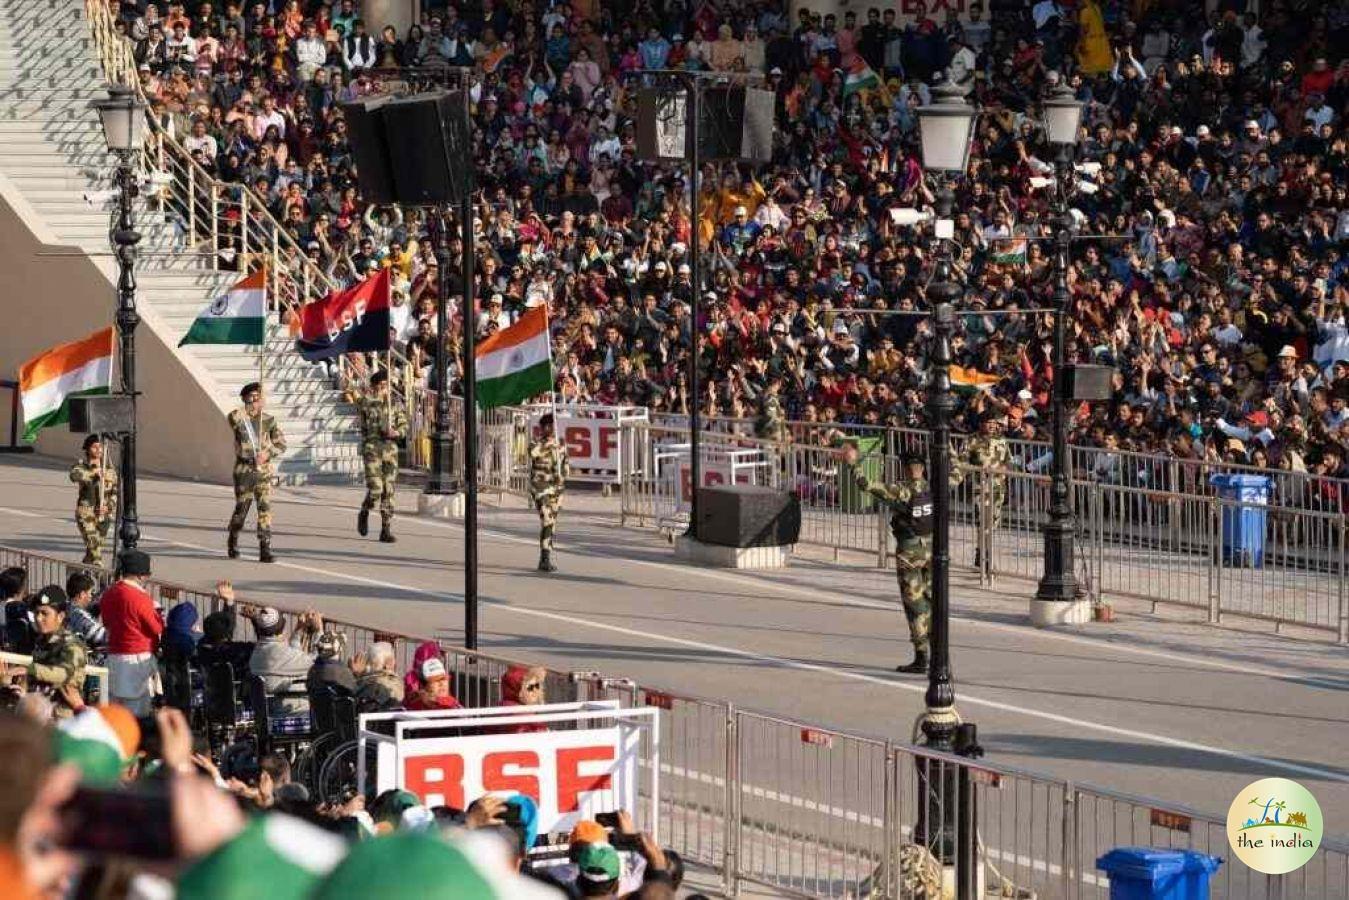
(821, 813)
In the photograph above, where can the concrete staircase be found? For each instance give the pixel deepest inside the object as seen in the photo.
(52, 149)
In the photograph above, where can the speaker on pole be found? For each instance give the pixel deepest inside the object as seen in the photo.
(737, 123)
(111, 414)
(662, 125)
(365, 129)
(428, 147)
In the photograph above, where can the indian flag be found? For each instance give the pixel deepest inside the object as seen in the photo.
(860, 77)
(516, 363)
(235, 317)
(47, 381)
(963, 379)
(1009, 251)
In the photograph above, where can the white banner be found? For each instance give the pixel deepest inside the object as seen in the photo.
(571, 775)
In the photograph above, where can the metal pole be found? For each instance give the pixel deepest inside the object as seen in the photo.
(1059, 581)
(936, 779)
(442, 480)
(125, 237)
(695, 104)
(470, 394)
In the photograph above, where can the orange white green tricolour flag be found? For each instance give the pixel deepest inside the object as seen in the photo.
(47, 381)
(516, 363)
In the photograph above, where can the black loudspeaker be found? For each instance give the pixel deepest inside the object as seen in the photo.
(101, 415)
(1082, 382)
(744, 515)
(662, 125)
(365, 129)
(737, 123)
(429, 147)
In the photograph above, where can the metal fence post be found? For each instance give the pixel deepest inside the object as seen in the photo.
(730, 851)
(889, 828)
(1070, 861)
(882, 537)
(1214, 547)
(1339, 587)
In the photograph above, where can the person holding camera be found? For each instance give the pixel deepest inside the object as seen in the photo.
(281, 663)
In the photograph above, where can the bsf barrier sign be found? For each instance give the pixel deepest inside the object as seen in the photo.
(593, 436)
(453, 757)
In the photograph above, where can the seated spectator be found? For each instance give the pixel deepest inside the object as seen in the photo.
(217, 644)
(81, 619)
(18, 635)
(328, 667)
(281, 664)
(433, 688)
(378, 687)
(59, 657)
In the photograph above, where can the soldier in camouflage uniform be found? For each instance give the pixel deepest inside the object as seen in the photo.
(911, 522)
(383, 424)
(59, 657)
(987, 450)
(548, 470)
(257, 442)
(771, 423)
(96, 502)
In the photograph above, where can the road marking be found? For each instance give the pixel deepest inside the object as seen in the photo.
(966, 698)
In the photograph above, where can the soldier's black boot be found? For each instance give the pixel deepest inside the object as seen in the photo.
(265, 551)
(546, 561)
(978, 558)
(918, 666)
(386, 534)
(363, 522)
(232, 545)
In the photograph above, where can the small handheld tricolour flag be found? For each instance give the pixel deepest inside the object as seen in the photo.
(80, 368)
(515, 364)
(351, 321)
(972, 379)
(235, 317)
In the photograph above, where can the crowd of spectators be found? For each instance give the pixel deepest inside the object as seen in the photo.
(1215, 284)
(139, 797)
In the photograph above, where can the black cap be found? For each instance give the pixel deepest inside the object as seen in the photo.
(134, 562)
(91, 440)
(546, 420)
(379, 378)
(248, 389)
(914, 458)
(52, 595)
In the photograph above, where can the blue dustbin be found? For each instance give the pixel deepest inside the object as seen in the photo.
(1148, 873)
(1244, 524)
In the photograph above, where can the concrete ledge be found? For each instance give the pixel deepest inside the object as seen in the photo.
(720, 557)
(1059, 612)
(441, 506)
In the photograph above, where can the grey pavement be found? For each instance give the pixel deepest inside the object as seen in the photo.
(1153, 706)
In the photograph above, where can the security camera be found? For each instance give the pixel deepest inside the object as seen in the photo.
(98, 198)
(159, 179)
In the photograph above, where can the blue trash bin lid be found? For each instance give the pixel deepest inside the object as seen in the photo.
(1201, 862)
(1142, 863)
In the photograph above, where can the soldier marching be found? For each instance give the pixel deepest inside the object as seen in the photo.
(986, 450)
(257, 442)
(96, 498)
(910, 502)
(383, 424)
(548, 470)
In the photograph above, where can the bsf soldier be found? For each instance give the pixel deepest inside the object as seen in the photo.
(59, 657)
(910, 502)
(771, 423)
(383, 424)
(987, 450)
(96, 501)
(548, 470)
(257, 442)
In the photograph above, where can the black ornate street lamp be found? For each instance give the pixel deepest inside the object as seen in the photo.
(946, 812)
(123, 118)
(1062, 118)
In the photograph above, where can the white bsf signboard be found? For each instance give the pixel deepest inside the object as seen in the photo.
(593, 437)
(453, 757)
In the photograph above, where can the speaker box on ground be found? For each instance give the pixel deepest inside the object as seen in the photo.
(101, 415)
(1082, 382)
(744, 515)
(429, 147)
(365, 130)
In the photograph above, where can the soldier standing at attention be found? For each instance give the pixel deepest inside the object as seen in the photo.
(96, 502)
(911, 523)
(257, 442)
(987, 450)
(548, 470)
(59, 657)
(771, 423)
(382, 426)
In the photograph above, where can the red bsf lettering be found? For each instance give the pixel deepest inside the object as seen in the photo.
(442, 774)
(581, 446)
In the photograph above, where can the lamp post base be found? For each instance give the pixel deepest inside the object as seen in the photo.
(1044, 613)
(719, 557)
(441, 506)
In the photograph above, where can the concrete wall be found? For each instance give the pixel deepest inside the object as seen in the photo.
(54, 294)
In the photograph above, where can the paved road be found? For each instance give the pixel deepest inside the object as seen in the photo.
(1153, 707)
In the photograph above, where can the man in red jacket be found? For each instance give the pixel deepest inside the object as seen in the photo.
(134, 625)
